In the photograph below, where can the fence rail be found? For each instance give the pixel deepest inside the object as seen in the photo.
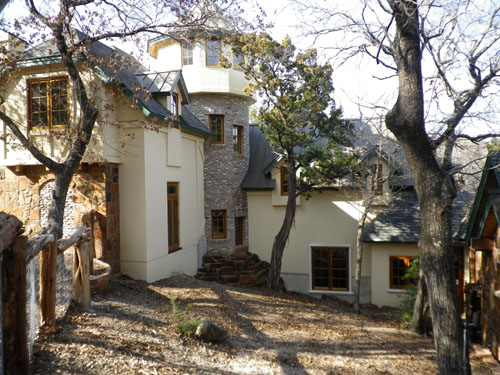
(16, 252)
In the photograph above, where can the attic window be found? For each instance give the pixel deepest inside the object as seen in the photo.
(284, 180)
(377, 180)
(48, 103)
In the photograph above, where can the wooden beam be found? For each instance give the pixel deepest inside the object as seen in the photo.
(480, 244)
(37, 244)
(48, 274)
(15, 342)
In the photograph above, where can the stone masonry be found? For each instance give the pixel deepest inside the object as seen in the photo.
(224, 170)
(92, 200)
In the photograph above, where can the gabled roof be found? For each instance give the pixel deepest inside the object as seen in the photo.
(129, 76)
(400, 221)
(487, 197)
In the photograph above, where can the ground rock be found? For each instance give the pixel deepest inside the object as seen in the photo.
(210, 332)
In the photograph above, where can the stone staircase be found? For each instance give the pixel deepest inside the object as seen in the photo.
(234, 269)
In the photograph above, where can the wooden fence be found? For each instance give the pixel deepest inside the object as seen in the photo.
(16, 251)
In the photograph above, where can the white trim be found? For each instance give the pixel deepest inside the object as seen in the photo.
(349, 276)
(396, 290)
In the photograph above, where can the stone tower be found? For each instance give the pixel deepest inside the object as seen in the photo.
(218, 100)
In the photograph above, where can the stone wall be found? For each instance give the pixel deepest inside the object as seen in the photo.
(92, 199)
(224, 170)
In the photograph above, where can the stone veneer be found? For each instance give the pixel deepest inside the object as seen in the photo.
(94, 202)
(224, 170)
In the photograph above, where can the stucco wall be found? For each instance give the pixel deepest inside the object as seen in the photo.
(382, 294)
(326, 219)
(144, 176)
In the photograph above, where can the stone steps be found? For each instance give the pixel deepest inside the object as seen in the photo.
(233, 269)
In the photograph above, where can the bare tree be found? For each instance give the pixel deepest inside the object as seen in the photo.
(459, 42)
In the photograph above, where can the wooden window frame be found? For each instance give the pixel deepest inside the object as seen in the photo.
(49, 101)
(284, 181)
(407, 262)
(184, 47)
(220, 132)
(173, 219)
(377, 179)
(239, 226)
(238, 141)
(208, 48)
(331, 270)
(224, 224)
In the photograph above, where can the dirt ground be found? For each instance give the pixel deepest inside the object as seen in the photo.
(130, 330)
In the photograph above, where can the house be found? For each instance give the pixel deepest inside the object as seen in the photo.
(140, 185)
(483, 236)
(320, 254)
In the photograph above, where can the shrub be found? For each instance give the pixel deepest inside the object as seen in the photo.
(407, 299)
(183, 324)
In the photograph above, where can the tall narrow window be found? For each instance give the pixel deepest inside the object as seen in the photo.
(213, 52)
(187, 53)
(173, 216)
(237, 58)
(237, 139)
(377, 179)
(398, 268)
(284, 180)
(238, 230)
(219, 224)
(330, 268)
(174, 104)
(216, 124)
(48, 102)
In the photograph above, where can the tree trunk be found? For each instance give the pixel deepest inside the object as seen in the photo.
(435, 189)
(48, 258)
(273, 278)
(417, 321)
(359, 257)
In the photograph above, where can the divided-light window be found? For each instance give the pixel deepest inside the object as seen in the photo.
(48, 103)
(330, 268)
(187, 53)
(218, 224)
(377, 179)
(284, 180)
(216, 125)
(398, 267)
(237, 139)
(213, 52)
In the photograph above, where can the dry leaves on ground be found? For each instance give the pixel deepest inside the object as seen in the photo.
(131, 330)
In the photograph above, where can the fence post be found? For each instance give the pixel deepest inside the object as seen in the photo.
(48, 274)
(81, 274)
(16, 357)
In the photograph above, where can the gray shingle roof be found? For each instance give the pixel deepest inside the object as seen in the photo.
(400, 222)
(128, 75)
(261, 156)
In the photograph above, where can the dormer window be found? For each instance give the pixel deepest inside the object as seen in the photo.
(174, 104)
(213, 52)
(48, 103)
(377, 179)
(187, 53)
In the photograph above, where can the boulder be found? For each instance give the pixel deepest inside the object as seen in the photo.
(210, 332)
